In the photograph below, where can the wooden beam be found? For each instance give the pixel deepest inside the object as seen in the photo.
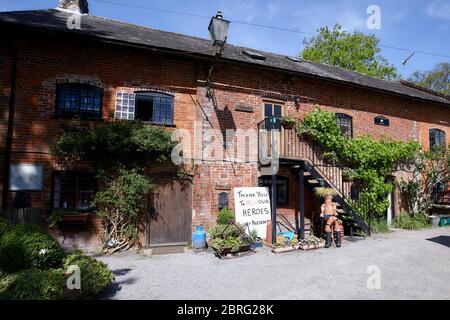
(301, 183)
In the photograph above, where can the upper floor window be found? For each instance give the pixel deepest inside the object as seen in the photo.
(345, 123)
(73, 190)
(437, 138)
(82, 100)
(152, 107)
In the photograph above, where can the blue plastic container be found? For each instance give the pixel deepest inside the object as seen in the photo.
(289, 235)
(199, 239)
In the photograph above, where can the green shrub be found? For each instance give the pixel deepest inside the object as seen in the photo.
(225, 216)
(95, 276)
(32, 284)
(29, 246)
(379, 226)
(4, 226)
(411, 222)
(223, 231)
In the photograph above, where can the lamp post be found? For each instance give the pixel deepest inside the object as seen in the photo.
(218, 29)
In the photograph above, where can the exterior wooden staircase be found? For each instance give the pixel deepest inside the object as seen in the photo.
(318, 171)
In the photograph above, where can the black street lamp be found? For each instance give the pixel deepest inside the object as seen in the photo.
(218, 29)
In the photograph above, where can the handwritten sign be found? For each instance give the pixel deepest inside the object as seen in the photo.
(252, 208)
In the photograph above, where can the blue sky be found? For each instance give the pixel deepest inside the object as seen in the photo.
(422, 25)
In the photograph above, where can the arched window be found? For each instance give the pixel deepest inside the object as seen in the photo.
(345, 123)
(381, 121)
(282, 188)
(437, 138)
(74, 99)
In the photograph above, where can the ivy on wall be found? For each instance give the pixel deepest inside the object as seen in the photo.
(121, 152)
(370, 161)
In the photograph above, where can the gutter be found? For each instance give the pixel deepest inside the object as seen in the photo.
(10, 130)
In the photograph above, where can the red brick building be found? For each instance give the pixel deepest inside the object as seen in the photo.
(108, 69)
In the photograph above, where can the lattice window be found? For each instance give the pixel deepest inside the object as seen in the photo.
(125, 106)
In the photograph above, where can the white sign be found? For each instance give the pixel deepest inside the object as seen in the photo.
(252, 208)
(26, 177)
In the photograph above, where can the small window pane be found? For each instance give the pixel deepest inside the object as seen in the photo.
(78, 100)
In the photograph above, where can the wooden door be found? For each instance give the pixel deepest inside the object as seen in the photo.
(170, 218)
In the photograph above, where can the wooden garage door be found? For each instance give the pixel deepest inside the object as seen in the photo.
(170, 219)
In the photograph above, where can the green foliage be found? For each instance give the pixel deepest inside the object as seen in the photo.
(121, 151)
(353, 51)
(289, 121)
(225, 216)
(4, 226)
(429, 169)
(95, 276)
(57, 216)
(379, 226)
(222, 231)
(228, 236)
(32, 284)
(29, 246)
(437, 79)
(254, 234)
(126, 144)
(411, 221)
(370, 160)
(120, 204)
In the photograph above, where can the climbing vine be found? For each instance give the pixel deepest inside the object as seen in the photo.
(121, 152)
(370, 161)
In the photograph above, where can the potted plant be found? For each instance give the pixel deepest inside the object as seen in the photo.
(288, 122)
(322, 192)
(65, 215)
(311, 243)
(285, 245)
(229, 238)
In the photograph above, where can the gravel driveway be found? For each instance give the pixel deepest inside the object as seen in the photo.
(413, 265)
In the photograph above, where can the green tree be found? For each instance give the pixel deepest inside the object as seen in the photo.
(437, 79)
(353, 51)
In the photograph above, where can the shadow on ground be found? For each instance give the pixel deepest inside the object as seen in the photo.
(116, 286)
(444, 240)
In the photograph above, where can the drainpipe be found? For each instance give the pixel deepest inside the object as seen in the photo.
(10, 130)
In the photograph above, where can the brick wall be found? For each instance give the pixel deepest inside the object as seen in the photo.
(44, 62)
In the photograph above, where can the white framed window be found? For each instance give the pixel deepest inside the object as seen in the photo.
(125, 106)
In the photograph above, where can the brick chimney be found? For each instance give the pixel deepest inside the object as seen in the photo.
(77, 6)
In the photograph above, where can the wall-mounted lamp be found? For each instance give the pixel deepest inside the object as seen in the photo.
(297, 100)
(218, 29)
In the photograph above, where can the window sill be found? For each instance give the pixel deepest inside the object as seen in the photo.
(76, 117)
(169, 125)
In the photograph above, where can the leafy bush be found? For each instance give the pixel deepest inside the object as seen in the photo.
(411, 222)
(32, 284)
(29, 246)
(95, 276)
(4, 226)
(225, 216)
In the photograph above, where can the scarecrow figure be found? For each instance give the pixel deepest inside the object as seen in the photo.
(330, 215)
